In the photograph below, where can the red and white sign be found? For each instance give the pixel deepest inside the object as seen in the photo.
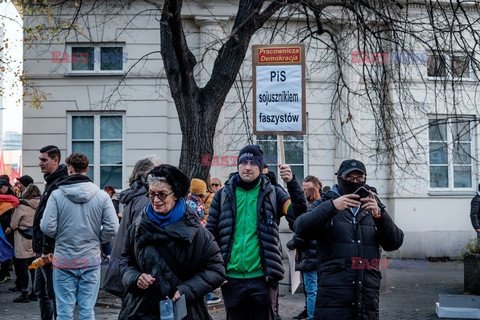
(279, 89)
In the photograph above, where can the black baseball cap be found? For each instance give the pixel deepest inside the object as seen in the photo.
(348, 166)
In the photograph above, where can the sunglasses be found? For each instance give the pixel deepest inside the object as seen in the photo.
(215, 185)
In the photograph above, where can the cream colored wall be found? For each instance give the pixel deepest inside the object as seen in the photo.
(151, 123)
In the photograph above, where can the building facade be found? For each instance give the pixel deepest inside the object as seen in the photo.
(108, 97)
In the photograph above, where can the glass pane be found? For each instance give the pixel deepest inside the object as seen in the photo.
(111, 128)
(111, 176)
(111, 58)
(460, 67)
(461, 153)
(292, 137)
(269, 150)
(438, 153)
(461, 130)
(82, 128)
(298, 171)
(83, 58)
(293, 152)
(439, 177)
(111, 152)
(90, 172)
(436, 66)
(462, 177)
(84, 147)
(437, 130)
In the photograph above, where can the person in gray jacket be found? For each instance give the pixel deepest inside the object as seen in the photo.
(80, 217)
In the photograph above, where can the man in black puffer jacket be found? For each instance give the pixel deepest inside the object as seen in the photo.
(242, 219)
(349, 231)
(43, 245)
(475, 212)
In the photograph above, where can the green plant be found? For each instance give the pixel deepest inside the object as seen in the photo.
(472, 247)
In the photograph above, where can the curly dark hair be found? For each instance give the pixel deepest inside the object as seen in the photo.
(78, 161)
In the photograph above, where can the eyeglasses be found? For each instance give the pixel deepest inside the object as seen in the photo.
(354, 179)
(215, 185)
(161, 196)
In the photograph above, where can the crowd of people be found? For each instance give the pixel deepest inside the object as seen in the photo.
(193, 241)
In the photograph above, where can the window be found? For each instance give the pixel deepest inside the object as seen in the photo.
(103, 58)
(100, 138)
(450, 153)
(442, 65)
(293, 146)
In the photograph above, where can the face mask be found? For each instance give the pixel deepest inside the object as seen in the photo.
(347, 187)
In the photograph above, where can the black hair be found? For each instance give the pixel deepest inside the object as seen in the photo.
(52, 152)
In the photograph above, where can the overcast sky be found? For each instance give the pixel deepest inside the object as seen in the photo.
(11, 23)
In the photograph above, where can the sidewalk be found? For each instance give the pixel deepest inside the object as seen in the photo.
(411, 294)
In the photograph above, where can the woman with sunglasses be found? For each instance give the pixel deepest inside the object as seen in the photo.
(167, 253)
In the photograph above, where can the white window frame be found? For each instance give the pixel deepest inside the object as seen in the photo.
(96, 141)
(448, 63)
(451, 187)
(277, 171)
(97, 53)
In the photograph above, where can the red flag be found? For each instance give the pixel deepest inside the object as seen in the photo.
(14, 175)
(2, 164)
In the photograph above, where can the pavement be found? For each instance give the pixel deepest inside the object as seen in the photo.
(412, 291)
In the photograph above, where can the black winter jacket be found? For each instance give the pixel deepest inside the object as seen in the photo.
(475, 211)
(347, 288)
(306, 257)
(221, 221)
(134, 200)
(40, 242)
(199, 267)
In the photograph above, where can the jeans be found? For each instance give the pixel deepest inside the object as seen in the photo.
(310, 281)
(45, 292)
(76, 285)
(106, 248)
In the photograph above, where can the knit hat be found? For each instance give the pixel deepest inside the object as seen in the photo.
(348, 166)
(252, 152)
(25, 180)
(175, 178)
(198, 187)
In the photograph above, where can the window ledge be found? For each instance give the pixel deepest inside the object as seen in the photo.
(450, 79)
(452, 193)
(95, 74)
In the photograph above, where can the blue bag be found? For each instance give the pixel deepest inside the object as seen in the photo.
(6, 249)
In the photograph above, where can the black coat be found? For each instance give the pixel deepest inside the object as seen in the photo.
(221, 221)
(306, 257)
(200, 266)
(40, 242)
(475, 211)
(345, 290)
(134, 200)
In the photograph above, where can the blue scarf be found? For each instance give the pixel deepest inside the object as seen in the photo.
(176, 214)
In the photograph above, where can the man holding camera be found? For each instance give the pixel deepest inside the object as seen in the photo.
(349, 230)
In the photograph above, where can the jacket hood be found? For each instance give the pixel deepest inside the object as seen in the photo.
(137, 189)
(31, 202)
(78, 188)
